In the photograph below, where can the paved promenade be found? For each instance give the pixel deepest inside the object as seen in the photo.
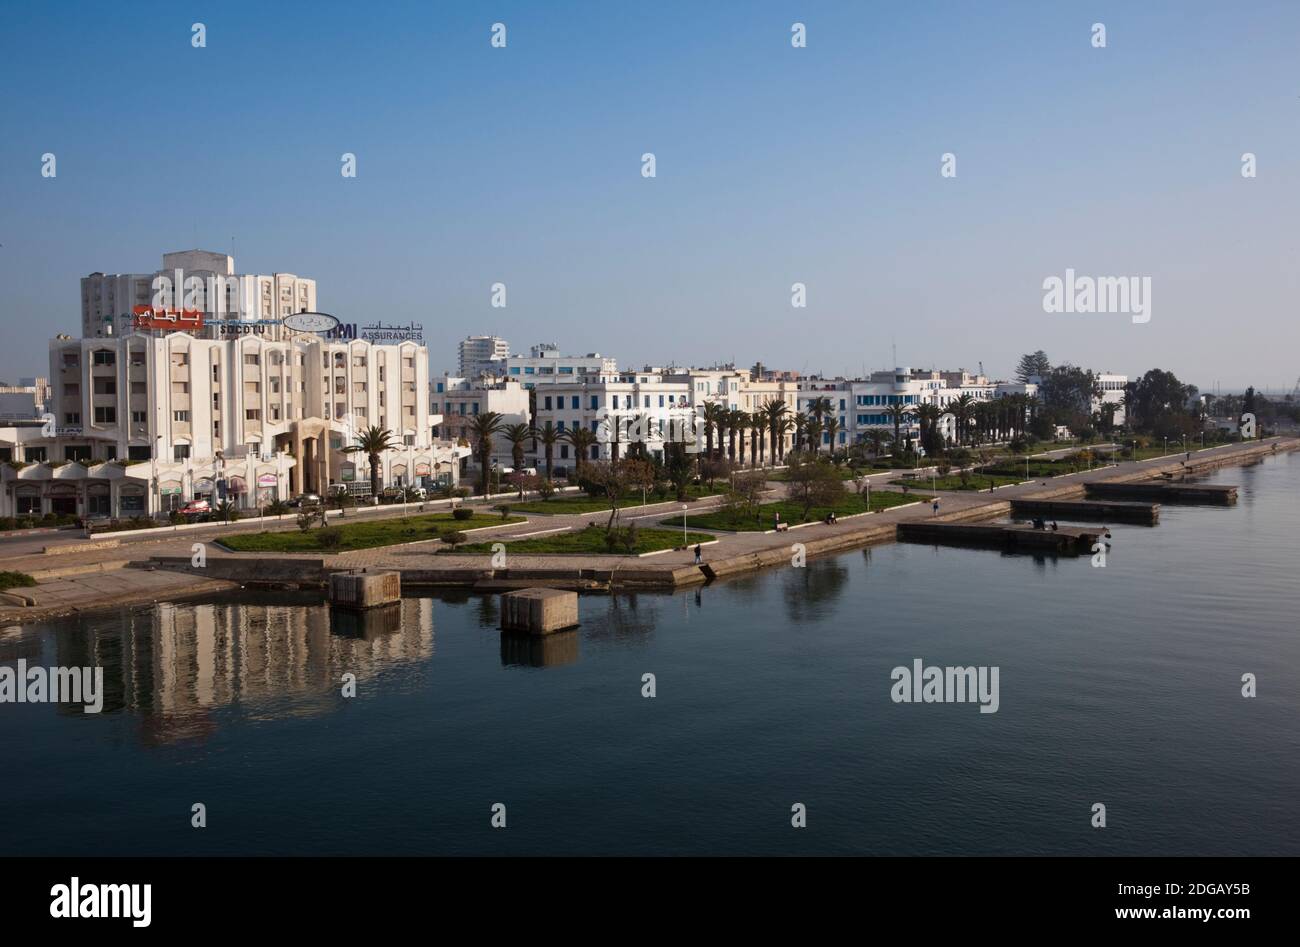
(74, 581)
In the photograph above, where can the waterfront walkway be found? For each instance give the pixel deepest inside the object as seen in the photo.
(94, 578)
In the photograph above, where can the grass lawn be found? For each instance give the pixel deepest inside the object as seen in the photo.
(591, 541)
(15, 580)
(363, 535)
(975, 481)
(846, 473)
(581, 503)
(764, 517)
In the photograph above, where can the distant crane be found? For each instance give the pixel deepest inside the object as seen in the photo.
(1295, 392)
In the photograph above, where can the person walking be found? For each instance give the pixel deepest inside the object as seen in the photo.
(698, 553)
(936, 506)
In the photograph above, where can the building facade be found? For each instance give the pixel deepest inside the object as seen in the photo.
(145, 423)
(194, 280)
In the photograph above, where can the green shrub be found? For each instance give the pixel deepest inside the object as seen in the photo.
(330, 537)
(462, 513)
(505, 511)
(16, 580)
(453, 538)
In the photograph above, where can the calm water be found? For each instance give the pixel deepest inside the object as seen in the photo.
(1118, 685)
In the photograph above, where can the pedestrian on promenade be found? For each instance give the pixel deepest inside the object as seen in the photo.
(698, 552)
(936, 506)
(776, 519)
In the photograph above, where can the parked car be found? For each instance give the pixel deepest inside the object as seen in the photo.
(195, 507)
(304, 499)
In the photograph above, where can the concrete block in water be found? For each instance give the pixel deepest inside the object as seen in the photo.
(539, 611)
(365, 589)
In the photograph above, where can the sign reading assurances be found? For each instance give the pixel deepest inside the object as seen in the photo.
(379, 332)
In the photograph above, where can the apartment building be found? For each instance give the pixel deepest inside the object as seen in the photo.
(659, 406)
(144, 423)
(545, 365)
(198, 280)
(458, 401)
(481, 355)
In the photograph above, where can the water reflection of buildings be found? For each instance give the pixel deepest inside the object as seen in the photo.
(177, 664)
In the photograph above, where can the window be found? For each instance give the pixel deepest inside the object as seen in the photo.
(180, 358)
(105, 357)
(575, 402)
(216, 373)
(105, 415)
(139, 388)
(252, 358)
(136, 452)
(180, 387)
(35, 455)
(252, 414)
(71, 360)
(72, 417)
(139, 417)
(181, 452)
(72, 391)
(181, 417)
(105, 386)
(594, 402)
(548, 404)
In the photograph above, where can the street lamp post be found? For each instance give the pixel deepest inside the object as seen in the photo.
(684, 509)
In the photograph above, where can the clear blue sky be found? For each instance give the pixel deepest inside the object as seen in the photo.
(775, 165)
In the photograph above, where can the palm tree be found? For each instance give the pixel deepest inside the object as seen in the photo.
(741, 421)
(785, 428)
(812, 430)
(775, 410)
(961, 410)
(819, 408)
(582, 440)
(876, 438)
(483, 427)
(757, 430)
(928, 415)
(373, 442)
(832, 428)
(898, 414)
(517, 435)
(735, 425)
(548, 434)
(712, 419)
(800, 429)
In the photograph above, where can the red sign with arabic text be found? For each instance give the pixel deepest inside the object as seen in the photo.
(146, 317)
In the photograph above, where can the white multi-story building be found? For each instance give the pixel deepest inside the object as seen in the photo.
(481, 355)
(1112, 392)
(24, 401)
(458, 401)
(657, 406)
(545, 365)
(194, 280)
(144, 423)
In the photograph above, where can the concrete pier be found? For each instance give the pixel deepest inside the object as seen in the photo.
(1067, 539)
(539, 611)
(1165, 491)
(365, 589)
(1112, 511)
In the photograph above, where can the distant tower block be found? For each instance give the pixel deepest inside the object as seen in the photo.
(538, 611)
(365, 590)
